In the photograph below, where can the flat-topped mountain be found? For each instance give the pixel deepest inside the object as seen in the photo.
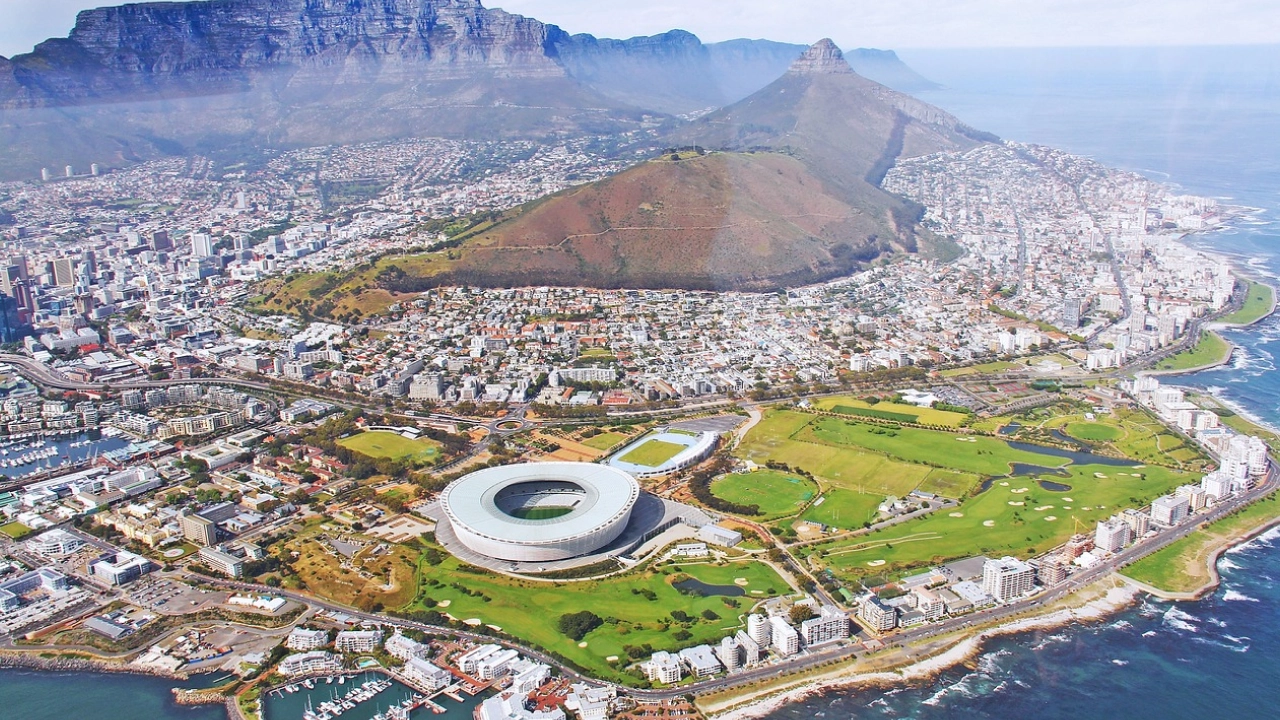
(147, 79)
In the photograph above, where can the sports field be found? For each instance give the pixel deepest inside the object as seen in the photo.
(386, 444)
(653, 453)
(506, 602)
(776, 494)
(1093, 431)
(843, 509)
(1210, 349)
(604, 441)
(1256, 305)
(848, 405)
(1015, 517)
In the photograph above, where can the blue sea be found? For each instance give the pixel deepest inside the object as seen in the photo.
(1207, 120)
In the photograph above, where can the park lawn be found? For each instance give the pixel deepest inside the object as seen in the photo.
(1210, 349)
(1140, 436)
(777, 494)
(849, 405)
(948, 483)
(1021, 530)
(1256, 305)
(15, 530)
(386, 444)
(1093, 431)
(1182, 566)
(324, 575)
(630, 618)
(967, 453)
(653, 453)
(843, 509)
(991, 367)
(604, 441)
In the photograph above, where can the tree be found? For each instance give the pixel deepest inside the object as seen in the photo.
(577, 625)
(800, 613)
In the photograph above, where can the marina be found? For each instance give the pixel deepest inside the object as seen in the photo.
(35, 453)
(365, 696)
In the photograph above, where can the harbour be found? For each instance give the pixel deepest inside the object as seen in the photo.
(362, 696)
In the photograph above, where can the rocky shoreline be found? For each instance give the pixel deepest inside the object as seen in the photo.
(1115, 600)
(29, 661)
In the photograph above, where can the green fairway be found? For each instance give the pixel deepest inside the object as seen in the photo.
(653, 453)
(386, 444)
(1093, 431)
(15, 530)
(848, 405)
(843, 509)
(967, 453)
(949, 483)
(776, 494)
(848, 467)
(991, 367)
(1015, 517)
(1256, 305)
(604, 441)
(631, 616)
(1209, 350)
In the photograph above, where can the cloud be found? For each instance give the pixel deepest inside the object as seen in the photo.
(851, 23)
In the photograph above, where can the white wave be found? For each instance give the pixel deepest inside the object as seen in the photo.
(1149, 633)
(1120, 663)
(1121, 625)
(1179, 620)
(1225, 565)
(1237, 640)
(1224, 646)
(1233, 595)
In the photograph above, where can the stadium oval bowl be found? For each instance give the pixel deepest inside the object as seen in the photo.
(540, 512)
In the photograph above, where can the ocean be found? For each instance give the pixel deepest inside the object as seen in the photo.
(1207, 120)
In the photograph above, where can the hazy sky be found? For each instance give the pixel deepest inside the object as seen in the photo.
(851, 23)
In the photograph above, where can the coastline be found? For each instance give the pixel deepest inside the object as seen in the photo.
(1225, 360)
(1215, 579)
(749, 706)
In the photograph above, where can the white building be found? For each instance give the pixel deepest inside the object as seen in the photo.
(511, 706)
(314, 662)
(786, 641)
(1196, 497)
(1169, 510)
(1007, 578)
(663, 667)
(468, 661)
(878, 616)
(1112, 535)
(759, 629)
(120, 568)
(1217, 485)
(404, 648)
(56, 542)
(701, 660)
(830, 624)
(497, 664)
(354, 641)
(426, 674)
(303, 639)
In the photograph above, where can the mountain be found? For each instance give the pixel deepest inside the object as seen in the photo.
(788, 194)
(137, 81)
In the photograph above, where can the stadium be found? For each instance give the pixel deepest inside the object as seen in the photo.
(663, 452)
(539, 512)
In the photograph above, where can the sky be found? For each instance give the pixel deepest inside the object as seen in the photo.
(893, 24)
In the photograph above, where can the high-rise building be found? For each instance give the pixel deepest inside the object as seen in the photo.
(1112, 535)
(878, 616)
(64, 272)
(1138, 521)
(1169, 510)
(1007, 578)
(786, 641)
(759, 629)
(160, 241)
(1071, 310)
(200, 530)
(202, 245)
(829, 624)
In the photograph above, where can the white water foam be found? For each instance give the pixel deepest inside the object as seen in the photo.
(1234, 595)
(1179, 620)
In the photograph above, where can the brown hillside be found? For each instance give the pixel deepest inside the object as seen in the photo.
(720, 221)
